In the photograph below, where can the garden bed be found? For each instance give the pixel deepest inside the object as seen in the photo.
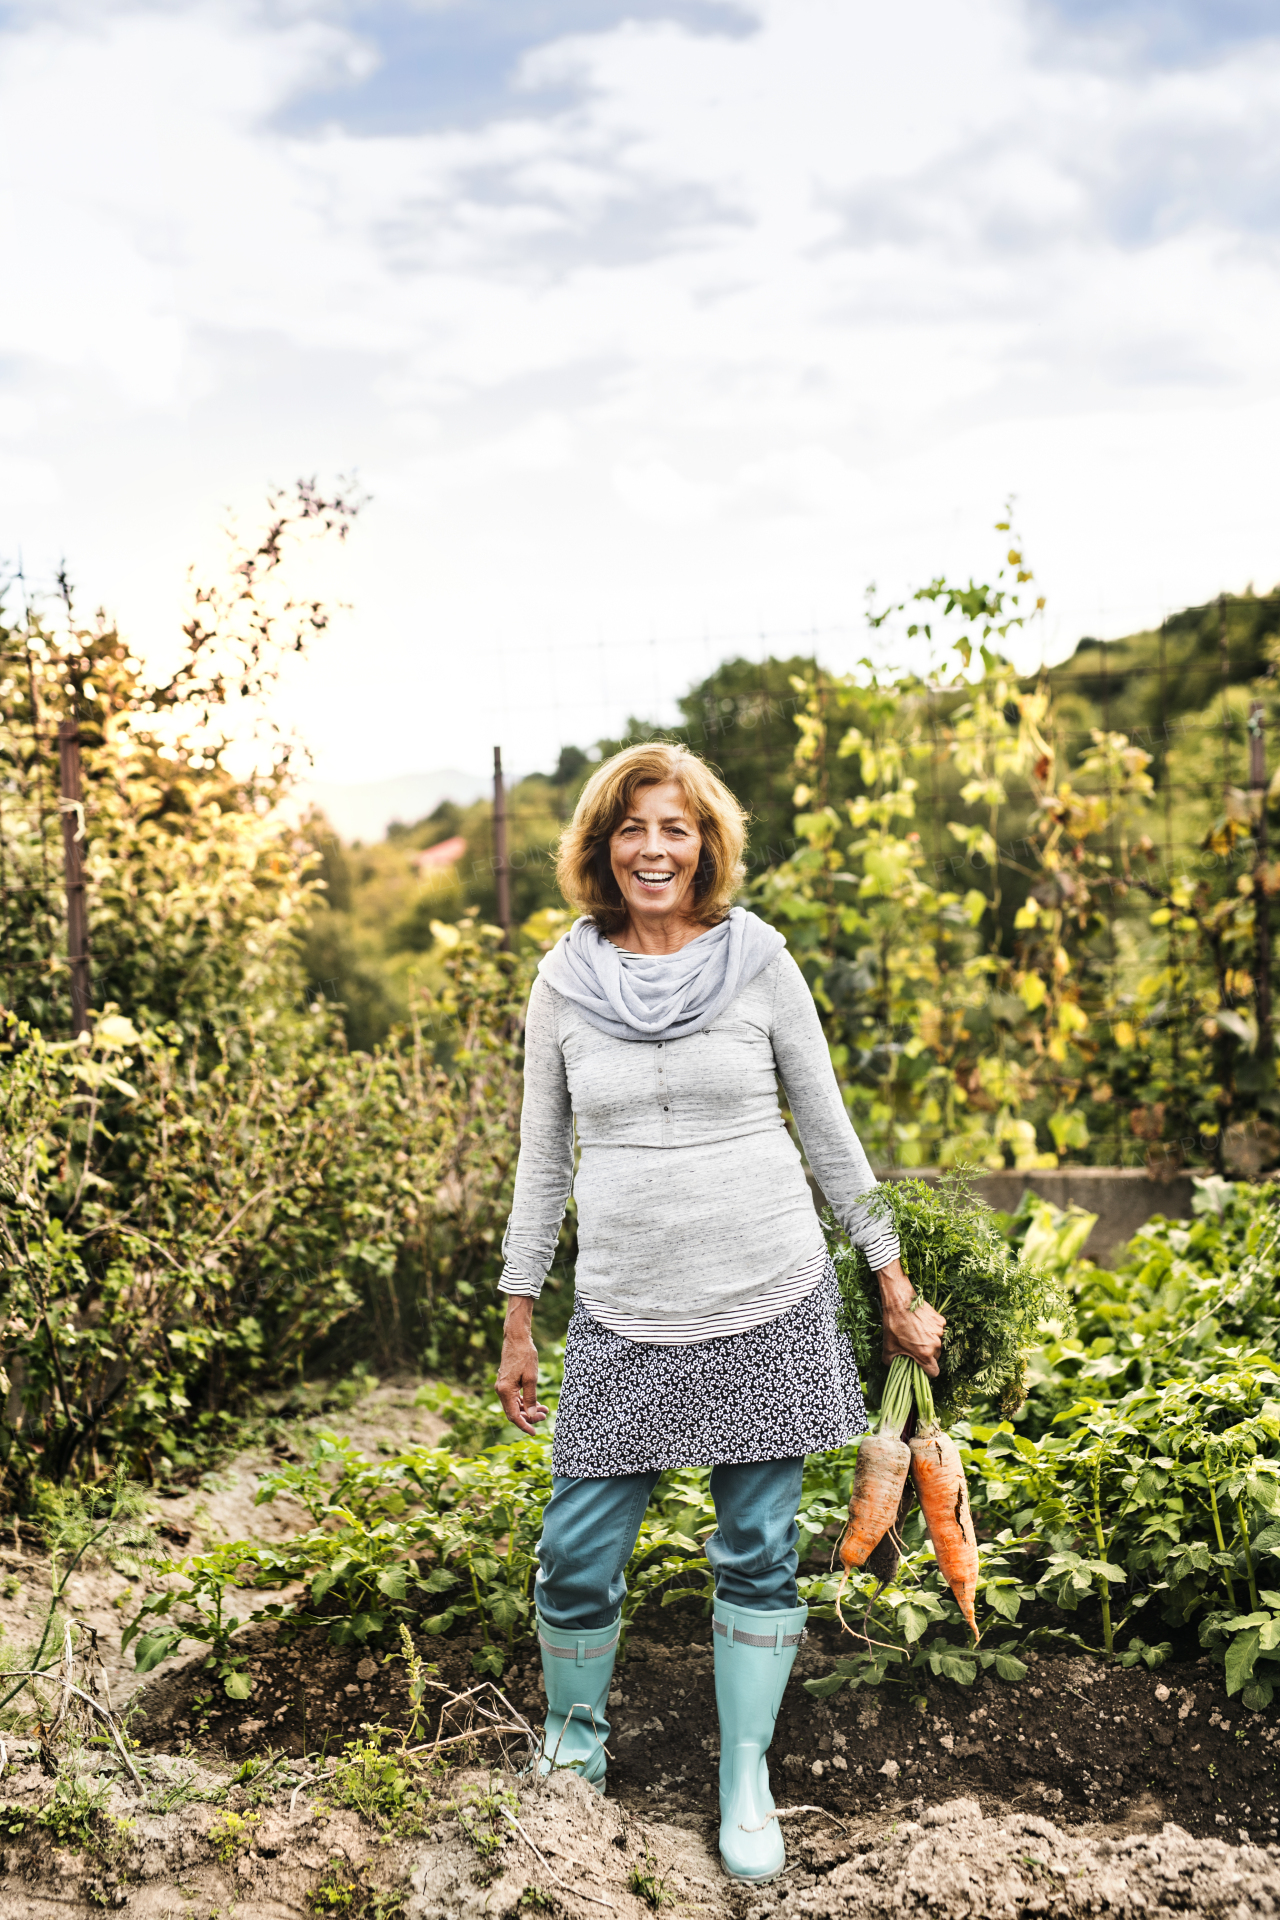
(1078, 1739)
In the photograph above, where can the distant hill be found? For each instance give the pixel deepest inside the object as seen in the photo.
(1140, 684)
(363, 810)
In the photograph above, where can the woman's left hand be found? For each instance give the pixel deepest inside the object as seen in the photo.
(517, 1381)
(912, 1328)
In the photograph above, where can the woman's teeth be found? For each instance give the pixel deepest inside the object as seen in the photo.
(654, 879)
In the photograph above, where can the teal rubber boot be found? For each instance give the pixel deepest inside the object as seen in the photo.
(577, 1667)
(754, 1655)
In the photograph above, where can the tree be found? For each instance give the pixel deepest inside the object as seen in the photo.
(196, 892)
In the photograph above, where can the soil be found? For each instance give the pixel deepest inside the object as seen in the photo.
(1075, 1740)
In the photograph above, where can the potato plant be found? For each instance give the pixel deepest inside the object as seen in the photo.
(1108, 1521)
(431, 1536)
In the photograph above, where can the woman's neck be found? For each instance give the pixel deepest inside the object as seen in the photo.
(665, 936)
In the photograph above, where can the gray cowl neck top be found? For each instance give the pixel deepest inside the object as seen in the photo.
(659, 996)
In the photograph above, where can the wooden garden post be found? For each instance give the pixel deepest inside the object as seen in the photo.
(1261, 896)
(501, 871)
(71, 807)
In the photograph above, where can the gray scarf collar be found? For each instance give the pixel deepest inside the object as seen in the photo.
(642, 996)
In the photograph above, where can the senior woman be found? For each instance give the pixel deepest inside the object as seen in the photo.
(704, 1329)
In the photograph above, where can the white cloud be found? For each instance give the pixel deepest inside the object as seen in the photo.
(654, 490)
(688, 332)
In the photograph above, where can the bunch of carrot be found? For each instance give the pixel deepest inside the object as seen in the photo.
(995, 1302)
(933, 1461)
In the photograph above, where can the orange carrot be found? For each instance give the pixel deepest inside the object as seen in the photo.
(883, 1561)
(944, 1498)
(878, 1480)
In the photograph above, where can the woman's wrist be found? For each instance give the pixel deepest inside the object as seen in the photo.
(519, 1320)
(894, 1284)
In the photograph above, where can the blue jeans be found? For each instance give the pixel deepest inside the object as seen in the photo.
(589, 1531)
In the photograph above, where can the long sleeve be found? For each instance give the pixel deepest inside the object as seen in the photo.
(544, 1170)
(833, 1148)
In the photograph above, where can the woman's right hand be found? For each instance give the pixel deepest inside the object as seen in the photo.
(517, 1381)
(912, 1328)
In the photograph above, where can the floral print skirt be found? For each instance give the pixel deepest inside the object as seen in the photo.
(787, 1388)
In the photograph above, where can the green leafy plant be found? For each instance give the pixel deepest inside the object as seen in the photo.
(198, 1192)
(1148, 1497)
(204, 1617)
(648, 1884)
(424, 1524)
(1016, 959)
(480, 1812)
(536, 1900)
(15, 1818)
(419, 1675)
(473, 1424)
(1150, 1657)
(393, 1537)
(259, 1777)
(74, 1816)
(230, 1832)
(79, 1525)
(336, 1891)
(75, 1813)
(910, 1627)
(1140, 1482)
(342, 1889)
(1185, 1292)
(958, 1260)
(385, 1784)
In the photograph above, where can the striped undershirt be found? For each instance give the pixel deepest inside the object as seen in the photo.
(767, 1306)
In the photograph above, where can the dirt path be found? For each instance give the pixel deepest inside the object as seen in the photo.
(497, 1845)
(219, 1508)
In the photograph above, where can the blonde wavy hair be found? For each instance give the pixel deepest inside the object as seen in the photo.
(582, 864)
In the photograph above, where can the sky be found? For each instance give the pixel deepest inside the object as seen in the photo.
(654, 332)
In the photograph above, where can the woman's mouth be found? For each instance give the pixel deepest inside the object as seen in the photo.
(652, 880)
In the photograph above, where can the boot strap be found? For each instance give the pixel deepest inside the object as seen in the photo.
(739, 1638)
(578, 1652)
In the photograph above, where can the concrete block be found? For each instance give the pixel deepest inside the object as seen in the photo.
(1124, 1198)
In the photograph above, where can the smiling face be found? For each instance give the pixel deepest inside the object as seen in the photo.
(654, 856)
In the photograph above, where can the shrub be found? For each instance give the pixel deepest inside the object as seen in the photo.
(208, 1188)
